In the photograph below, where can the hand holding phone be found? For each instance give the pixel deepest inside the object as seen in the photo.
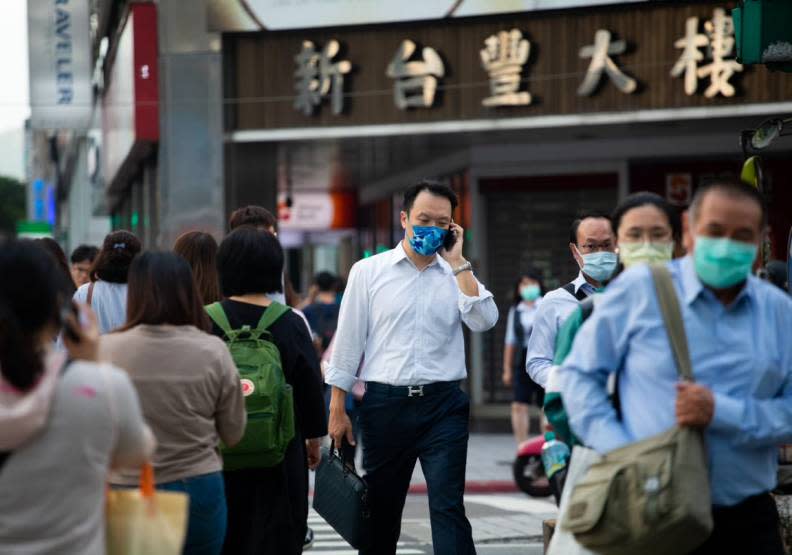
(80, 331)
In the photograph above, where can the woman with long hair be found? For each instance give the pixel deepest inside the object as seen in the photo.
(64, 420)
(188, 386)
(199, 249)
(106, 294)
(527, 293)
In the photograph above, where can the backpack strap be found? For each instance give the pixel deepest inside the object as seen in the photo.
(89, 298)
(271, 315)
(218, 316)
(672, 317)
(570, 288)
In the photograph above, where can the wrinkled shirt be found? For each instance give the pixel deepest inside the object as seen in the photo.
(407, 322)
(556, 307)
(741, 352)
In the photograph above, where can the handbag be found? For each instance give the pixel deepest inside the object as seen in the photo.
(144, 521)
(341, 498)
(651, 497)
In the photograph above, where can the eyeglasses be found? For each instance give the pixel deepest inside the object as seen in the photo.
(605, 246)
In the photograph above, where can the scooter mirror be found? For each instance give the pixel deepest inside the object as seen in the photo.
(766, 133)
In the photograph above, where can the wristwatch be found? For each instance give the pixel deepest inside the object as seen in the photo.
(466, 267)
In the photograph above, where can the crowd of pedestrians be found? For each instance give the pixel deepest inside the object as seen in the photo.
(118, 356)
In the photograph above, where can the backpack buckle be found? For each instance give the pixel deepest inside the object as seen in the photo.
(415, 391)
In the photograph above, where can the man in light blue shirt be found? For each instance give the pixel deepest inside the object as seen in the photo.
(592, 243)
(738, 334)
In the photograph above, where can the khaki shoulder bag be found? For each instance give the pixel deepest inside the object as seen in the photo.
(651, 497)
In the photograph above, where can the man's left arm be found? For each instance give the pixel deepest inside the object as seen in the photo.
(476, 305)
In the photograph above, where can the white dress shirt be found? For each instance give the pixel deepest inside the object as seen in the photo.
(556, 307)
(406, 322)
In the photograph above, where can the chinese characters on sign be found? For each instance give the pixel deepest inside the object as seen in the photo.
(317, 76)
(503, 58)
(417, 73)
(719, 42)
(600, 53)
(416, 82)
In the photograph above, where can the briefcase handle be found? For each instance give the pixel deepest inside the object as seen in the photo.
(339, 453)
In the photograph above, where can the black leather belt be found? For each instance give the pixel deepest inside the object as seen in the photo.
(410, 390)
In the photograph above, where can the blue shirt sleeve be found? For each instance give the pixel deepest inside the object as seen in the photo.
(599, 349)
(510, 336)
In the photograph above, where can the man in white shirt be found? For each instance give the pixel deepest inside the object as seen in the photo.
(593, 246)
(403, 309)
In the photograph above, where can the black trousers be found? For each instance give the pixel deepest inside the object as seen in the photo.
(397, 431)
(750, 528)
(268, 507)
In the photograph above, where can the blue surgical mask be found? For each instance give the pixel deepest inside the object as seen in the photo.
(530, 292)
(600, 266)
(427, 240)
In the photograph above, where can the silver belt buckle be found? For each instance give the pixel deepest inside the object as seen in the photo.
(415, 391)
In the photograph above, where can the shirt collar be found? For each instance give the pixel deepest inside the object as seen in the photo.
(580, 281)
(692, 286)
(398, 254)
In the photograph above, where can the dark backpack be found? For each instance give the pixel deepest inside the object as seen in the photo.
(269, 399)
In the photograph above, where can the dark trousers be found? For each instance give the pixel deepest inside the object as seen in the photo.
(268, 507)
(748, 527)
(398, 430)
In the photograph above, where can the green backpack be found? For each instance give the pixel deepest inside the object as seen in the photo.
(269, 399)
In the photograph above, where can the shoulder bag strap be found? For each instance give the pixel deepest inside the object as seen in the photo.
(270, 316)
(672, 316)
(89, 298)
(218, 316)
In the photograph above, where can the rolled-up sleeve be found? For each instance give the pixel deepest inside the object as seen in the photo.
(478, 313)
(350, 336)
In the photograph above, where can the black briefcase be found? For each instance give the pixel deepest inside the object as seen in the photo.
(341, 498)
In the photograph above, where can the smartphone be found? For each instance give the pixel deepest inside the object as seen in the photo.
(70, 309)
(450, 240)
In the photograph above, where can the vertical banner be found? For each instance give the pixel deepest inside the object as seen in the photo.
(59, 45)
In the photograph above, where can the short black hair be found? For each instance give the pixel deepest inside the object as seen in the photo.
(249, 261)
(431, 186)
(645, 198)
(730, 188)
(584, 215)
(326, 281)
(84, 253)
(257, 216)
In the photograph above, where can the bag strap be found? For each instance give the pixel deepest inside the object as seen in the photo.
(570, 288)
(672, 316)
(271, 315)
(89, 297)
(218, 316)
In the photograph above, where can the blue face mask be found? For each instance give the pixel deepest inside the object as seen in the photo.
(427, 240)
(600, 266)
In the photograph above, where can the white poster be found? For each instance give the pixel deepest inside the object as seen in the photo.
(59, 44)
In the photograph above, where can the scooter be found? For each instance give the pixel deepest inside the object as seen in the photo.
(529, 473)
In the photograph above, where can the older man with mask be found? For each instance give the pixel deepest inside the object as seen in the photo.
(737, 328)
(404, 310)
(593, 245)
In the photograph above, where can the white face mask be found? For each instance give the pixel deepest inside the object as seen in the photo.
(631, 254)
